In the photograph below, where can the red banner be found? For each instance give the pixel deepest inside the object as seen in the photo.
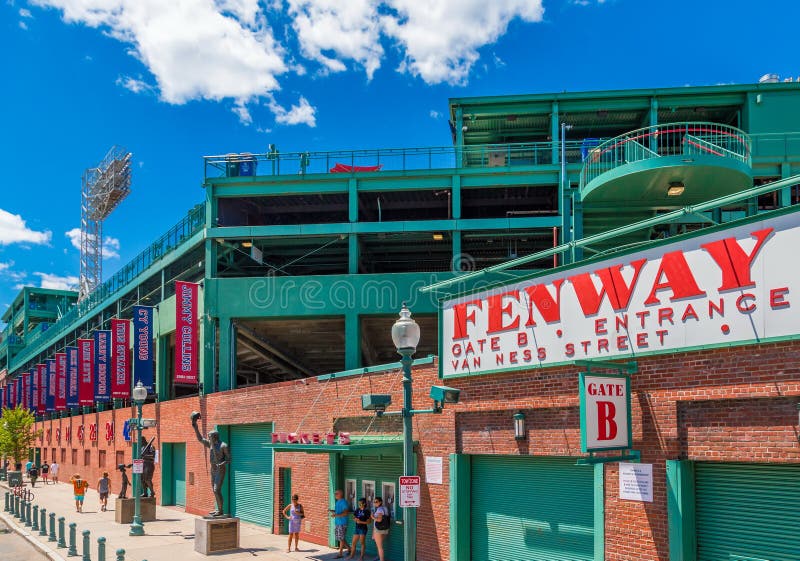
(120, 358)
(85, 367)
(61, 381)
(40, 393)
(186, 333)
(25, 392)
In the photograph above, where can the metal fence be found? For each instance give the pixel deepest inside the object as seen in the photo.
(671, 139)
(276, 163)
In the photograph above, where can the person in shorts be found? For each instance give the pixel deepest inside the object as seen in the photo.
(45, 473)
(340, 515)
(79, 487)
(54, 471)
(102, 488)
(361, 517)
(379, 514)
(294, 514)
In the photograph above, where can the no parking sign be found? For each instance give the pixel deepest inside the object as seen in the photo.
(410, 491)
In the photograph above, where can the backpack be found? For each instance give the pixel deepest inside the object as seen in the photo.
(385, 522)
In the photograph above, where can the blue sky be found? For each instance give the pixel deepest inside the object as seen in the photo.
(173, 81)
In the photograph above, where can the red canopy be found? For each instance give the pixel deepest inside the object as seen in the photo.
(344, 168)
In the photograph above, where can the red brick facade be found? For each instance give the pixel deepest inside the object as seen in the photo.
(734, 404)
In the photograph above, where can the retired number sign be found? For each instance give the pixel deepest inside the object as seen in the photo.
(605, 412)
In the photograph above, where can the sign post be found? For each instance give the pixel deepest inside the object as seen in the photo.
(410, 491)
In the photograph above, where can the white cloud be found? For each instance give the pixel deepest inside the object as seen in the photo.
(435, 114)
(110, 245)
(330, 31)
(441, 39)
(13, 229)
(236, 50)
(23, 25)
(23, 13)
(57, 282)
(5, 266)
(304, 113)
(133, 84)
(6, 271)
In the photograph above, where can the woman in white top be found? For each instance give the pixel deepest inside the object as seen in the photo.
(380, 529)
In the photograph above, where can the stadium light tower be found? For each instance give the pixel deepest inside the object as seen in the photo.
(103, 188)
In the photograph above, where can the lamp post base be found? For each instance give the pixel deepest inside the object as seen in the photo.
(137, 528)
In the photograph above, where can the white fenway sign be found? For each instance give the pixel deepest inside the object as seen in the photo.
(605, 412)
(731, 286)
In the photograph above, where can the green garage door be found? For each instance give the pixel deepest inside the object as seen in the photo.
(251, 473)
(379, 473)
(747, 512)
(531, 508)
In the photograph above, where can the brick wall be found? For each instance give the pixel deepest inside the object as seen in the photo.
(736, 404)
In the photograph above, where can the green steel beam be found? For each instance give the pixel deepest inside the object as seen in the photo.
(681, 510)
(617, 232)
(352, 340)
(460, 507)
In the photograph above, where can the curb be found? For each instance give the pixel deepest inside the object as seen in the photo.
(14, 526)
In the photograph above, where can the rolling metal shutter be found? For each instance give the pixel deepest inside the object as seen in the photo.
(251, 473)
(531, 508)
(747, 512)
(379, 469)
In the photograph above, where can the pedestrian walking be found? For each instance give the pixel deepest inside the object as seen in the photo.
(294, 514)
(54, 471)
(361, 517)
(102, 488)
(79, 487)
(45, 473)
(340, 515)
(380, 531)
(33, 474)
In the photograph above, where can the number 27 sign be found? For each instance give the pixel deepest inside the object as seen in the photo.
(605, 412)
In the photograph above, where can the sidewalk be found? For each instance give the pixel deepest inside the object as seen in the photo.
(169, 538)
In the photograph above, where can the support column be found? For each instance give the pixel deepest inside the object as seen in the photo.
(352, 254)
(457, 261)
(681, 510)
(785, 194)
(653, 122)
(455, 197)
(577, 224)
(554, 132)
(459, 137)
(352, 340)
(227, 355)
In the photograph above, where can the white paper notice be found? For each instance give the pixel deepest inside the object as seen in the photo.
(433, 469)
(636, 482)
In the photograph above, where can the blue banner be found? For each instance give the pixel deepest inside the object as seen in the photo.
(50, 384)
(72, 377)
(31, 388)
(102, 362)
(143, 346)
(2, 397)
(19, 390)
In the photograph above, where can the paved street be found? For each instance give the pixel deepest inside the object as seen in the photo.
(169, 538)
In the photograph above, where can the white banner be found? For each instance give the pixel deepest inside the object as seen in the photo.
(730, 286)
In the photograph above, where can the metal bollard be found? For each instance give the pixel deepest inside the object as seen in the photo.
(120, 555)
(27, 516)
(73, 551)
(61, 542)
(7, 495)
(35, 527)
(16, 506)
(43, 523)
(52, 537)
(87, 554)
(101, 549)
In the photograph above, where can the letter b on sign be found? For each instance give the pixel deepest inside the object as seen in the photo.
(605, 412)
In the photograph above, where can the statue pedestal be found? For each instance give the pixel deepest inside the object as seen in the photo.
(212, 535)
(124, 509)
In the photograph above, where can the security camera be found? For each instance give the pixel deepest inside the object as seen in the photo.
(444, 394)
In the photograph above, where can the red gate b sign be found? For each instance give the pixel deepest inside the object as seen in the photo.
(605, 412)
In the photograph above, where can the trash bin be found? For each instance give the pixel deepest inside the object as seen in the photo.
(14, 478)
(247, 164)
(232, 165)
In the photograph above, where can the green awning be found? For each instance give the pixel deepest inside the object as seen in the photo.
(360, 448)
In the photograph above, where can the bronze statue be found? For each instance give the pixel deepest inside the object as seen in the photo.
(219, 457)
(123, 493)
(148, 454)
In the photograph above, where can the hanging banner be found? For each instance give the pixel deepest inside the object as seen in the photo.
(102, 360)
(50, 404)
(85, 374)
(61, 381)
(143, 346)
(31, 376)
(24, 381)
(72, 377)
(186, 333)
(18, 390)
(120, 359)
(41, 388)
(2, 397)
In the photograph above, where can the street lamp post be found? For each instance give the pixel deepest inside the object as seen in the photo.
(405, 335)
(139, 397)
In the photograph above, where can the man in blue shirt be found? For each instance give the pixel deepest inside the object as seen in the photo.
(341, 515)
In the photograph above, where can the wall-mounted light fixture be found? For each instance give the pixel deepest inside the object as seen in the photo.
(519, 426)
(675, 189)
(438, 236)
(247, 244)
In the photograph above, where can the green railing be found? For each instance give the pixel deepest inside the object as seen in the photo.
(671, 139)
(277, 163)
(192, 223)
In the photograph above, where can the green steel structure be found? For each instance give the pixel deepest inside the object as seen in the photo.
(306, 256)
